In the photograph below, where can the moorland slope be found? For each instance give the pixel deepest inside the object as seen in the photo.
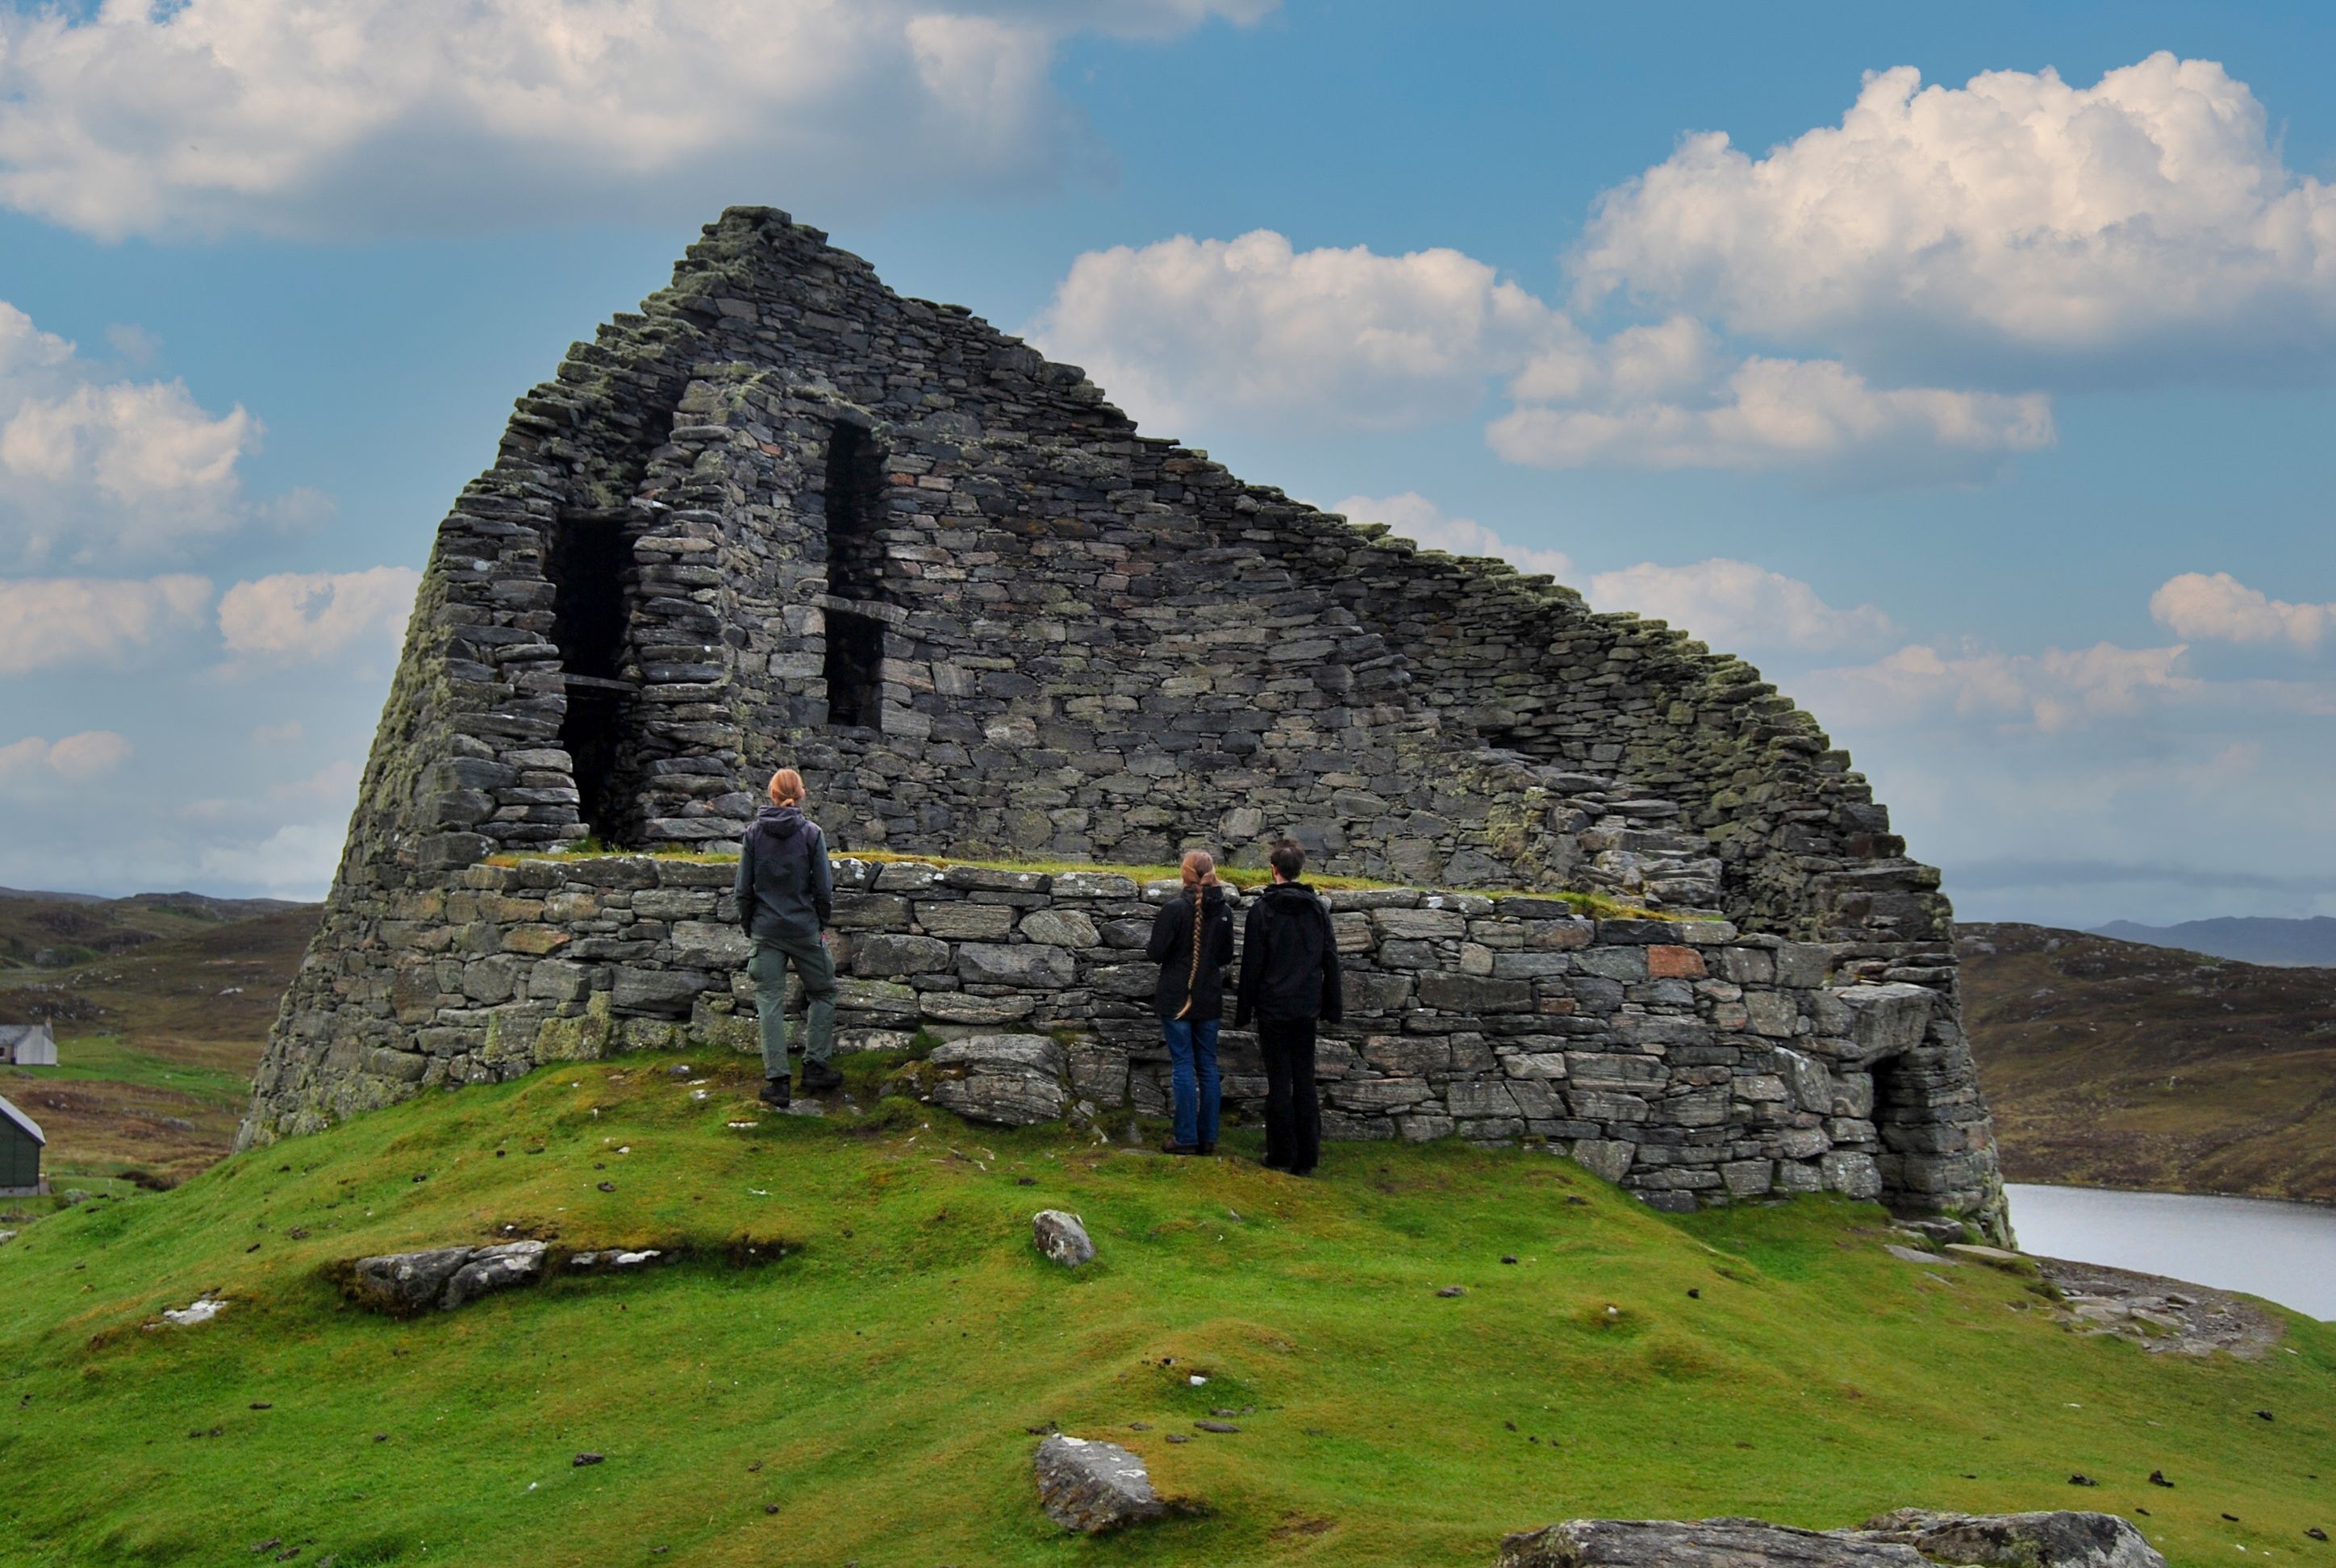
(2117, 1065)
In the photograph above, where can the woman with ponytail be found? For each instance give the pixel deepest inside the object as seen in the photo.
(1192, 941)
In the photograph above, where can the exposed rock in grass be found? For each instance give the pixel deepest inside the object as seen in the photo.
(2060, 1539)
(1909, 1538)
(201, 1310)
(2157, 1313)
(1093, 1486)
(403, 1284)
(1062, 1237)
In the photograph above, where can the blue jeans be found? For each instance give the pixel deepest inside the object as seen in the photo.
(1192, 1078)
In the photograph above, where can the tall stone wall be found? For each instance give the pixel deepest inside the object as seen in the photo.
(782, 515)
(1688, 1060)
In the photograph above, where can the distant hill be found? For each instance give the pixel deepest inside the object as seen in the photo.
(2115, 1064)
(161, 1004)
(2311, 943)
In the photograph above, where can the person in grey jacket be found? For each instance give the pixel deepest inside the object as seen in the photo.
(786, 895)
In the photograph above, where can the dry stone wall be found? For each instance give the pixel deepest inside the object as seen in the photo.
(1687, 1060)
(784, 515)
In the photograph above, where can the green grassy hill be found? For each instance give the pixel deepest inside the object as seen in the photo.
(870, 1397)
(2115, 1065)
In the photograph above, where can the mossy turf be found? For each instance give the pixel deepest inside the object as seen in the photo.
(1594, 904)
(877, 1385)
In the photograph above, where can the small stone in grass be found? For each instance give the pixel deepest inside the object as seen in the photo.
(757, 1465)
(1508, 1257)
(2158, 1478)
(2263, 1415)
(770, 1508)
(1216, 1426)
(608, 1186)
(1139, 1425)
(583, 1459)
(1453, 1290)
(381, 1437)
(2234, 1518)
(1694, 1293)
(1179, 1437)
(2081, 1479)
(2317, 1534)
(270, 1545)
(1025, 1181)
(262, 1405)
(1224, 1415)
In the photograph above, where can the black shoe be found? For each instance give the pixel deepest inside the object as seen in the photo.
(1275, 1165)
(1172, 1147)
(818, 1079)
(1307, 1172)
(774, 1094)
(1208, 1145)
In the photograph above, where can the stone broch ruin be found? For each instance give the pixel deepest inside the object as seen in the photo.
(781, 514)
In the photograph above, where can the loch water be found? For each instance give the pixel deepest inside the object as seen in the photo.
(2284, 1252)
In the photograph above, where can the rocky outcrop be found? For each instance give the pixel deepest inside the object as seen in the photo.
(1909, 1538)
(444, 1277)
(2060, 1539)
(1062, 1237)
(1093, 1486)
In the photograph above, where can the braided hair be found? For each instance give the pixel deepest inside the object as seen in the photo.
(1200, 872)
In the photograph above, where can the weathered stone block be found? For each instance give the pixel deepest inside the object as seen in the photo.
(1023, 964)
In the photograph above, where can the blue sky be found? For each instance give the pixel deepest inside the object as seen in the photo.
(1986, 413)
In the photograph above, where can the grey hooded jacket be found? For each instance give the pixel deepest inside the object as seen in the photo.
(785, 886)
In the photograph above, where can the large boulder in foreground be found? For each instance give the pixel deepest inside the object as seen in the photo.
(1010, 1080)
(1909, 1538)
(1092, 1486)
(404, 1284)
(2054, 1540)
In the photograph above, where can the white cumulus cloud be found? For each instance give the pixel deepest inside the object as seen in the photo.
(292, 117)
(2056, 690)
(75, 759)
(311, 615)
(1416, 518)
(74, 622)
(1732, 604)
(2220, 608)
(92, 466)
(2150, 215)
(1772, 414)
(1253, 328)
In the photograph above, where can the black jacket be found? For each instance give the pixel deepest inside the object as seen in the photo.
(785, 886)
(1171, 948)
(1290, 959)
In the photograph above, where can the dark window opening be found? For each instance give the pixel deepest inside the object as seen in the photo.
(854, 505)
(590, 558)
(855, 679)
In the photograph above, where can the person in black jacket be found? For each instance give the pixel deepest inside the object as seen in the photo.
(1289, 979)
(786, 895)
(1192, 941)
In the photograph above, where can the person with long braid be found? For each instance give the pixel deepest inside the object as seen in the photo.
(1192, 941)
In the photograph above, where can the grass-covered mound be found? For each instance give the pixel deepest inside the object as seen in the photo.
(877, 1384)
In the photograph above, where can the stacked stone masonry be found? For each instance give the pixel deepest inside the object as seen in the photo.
(1683, 1058)
(782, 515)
